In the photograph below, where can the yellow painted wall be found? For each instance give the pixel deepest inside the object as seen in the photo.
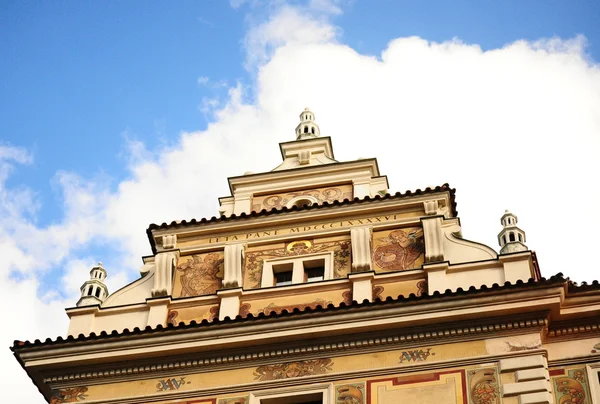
(255, 256)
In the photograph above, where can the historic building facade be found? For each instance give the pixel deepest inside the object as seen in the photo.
(316, 285)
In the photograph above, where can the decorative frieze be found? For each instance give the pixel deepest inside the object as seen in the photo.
(458, 333)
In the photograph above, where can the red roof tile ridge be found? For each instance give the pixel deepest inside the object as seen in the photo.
(555, 279)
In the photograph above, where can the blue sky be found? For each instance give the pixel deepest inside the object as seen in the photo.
(80, 77)
(119, 114)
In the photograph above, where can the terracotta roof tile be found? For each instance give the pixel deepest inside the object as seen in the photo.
(553, 280)
(324, 205)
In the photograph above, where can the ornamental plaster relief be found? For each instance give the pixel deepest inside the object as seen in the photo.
(324, 194)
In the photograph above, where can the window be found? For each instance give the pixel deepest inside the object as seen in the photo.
(98, 292)
(90, 290)
(511, 236)
(314, 394)
(295, 270)
(314, 270)
(282, 274)
(520, 237)
(593, 373)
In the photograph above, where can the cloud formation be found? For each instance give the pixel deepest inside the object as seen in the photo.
(515, 127)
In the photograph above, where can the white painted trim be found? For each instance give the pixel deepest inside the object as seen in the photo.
(593, 370)
(298, 270)
(325, 389)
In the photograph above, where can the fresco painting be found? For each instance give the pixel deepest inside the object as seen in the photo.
(571, 386)
(398, 250)
(483, 386)
(278, 201)
(198, 275)
(293, 369)
(71, 395)
(431, 388)
(255, 259)
(350, 394)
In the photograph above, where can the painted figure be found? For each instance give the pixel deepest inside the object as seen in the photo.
(200, 275)
(400, 251)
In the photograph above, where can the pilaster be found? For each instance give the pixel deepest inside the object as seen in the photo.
(159, 309)
(361, 248)
(362, 285)
(434, 243)
(82, 320)
(436, 276)
(165, 263)
(230, 302)
(234, 254)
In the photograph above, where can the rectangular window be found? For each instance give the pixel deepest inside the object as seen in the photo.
(297, 270)
(294, 398)
(283, 274)
(314, 270)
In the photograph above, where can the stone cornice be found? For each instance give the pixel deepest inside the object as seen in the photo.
(445, 333)
(356, 319)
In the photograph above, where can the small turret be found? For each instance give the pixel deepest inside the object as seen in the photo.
(511, 238)
(94, 291)
(307, 128)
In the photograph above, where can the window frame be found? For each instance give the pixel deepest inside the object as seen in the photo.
(268, 275)
(593, 374)
(294, 393)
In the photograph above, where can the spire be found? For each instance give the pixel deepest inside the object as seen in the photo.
(307, 128)
(94, 291)
(511, 238)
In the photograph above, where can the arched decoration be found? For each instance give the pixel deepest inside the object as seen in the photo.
(302, 200)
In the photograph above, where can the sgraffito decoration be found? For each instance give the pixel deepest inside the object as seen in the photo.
(416, 355)
(234, 400)
(71, 395)
(422, 287)
(377, 291)
(293, 369)
(170, 384)
(199, 274)
(278, 201)
(255, 260)
(483, 386)
(398, 250)
(350, 394)
(572, 387)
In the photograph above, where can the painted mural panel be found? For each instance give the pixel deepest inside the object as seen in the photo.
(395, 288)
(383, 389)
(197, 313)
(353, 393)
(300, 301)
(255, 258)
(293, 369)
(570, 385)
(324, 194)
(448, 387)
(69, 395)
(483, 386)
(199, 274)
(398, 250)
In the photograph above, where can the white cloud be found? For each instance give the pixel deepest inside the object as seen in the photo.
(514, 127)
